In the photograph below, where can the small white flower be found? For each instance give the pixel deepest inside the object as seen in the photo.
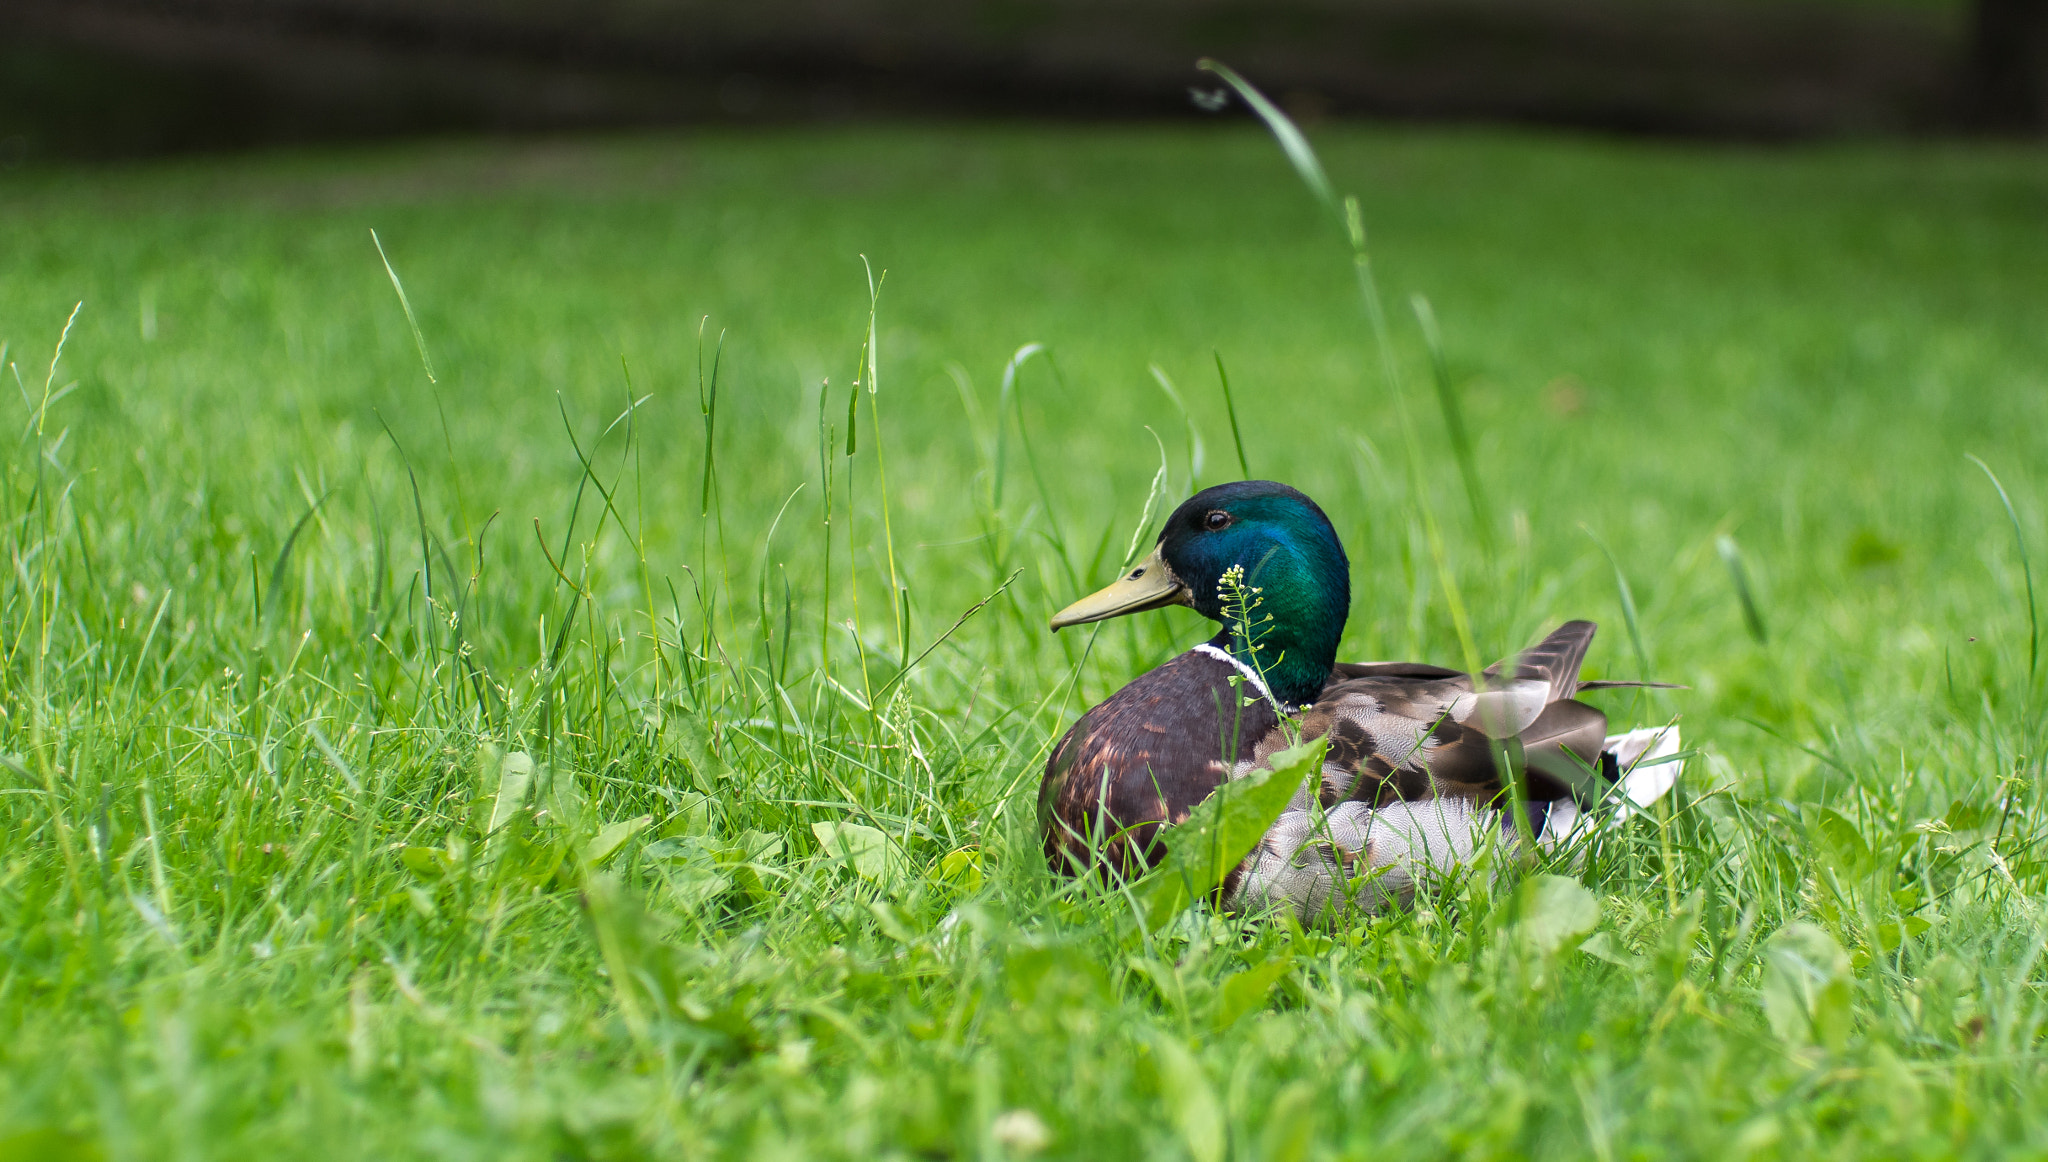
(1020, 1131)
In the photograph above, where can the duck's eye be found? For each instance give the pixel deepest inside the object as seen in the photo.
(1137, 572)
(1216, 520)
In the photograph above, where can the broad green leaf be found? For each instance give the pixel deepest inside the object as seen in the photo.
(1843, 844)
(1890, 933)
(693, 887)
(651, 973)
(664, 850)
(1966, 815)
(758, 846)
(1806, 986)
(641, 966)
(1246, 990)
(541, 863)
(692, 816)
(748, 859)
(963, 867)
(1939, 985)
(428, 863)
(1163, 977)
(1191, 1104)
(1555, 910)
(867, 851)
(562, 796)
(1291, 1125)
(610, 838)
(1603, 946)
(509, 776)
(1221, 831)
(894, 922)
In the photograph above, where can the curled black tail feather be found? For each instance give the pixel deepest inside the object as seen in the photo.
(1606, 684)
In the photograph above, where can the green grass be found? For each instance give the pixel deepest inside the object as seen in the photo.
(276, 609)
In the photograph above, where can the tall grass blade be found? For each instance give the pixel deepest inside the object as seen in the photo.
(419, 510)
(825, 444)
(870, 352)
(50, 377)
(284, 555)
(1055, 532)
(1152, 496)
(872, 373)
(1292, 143)
(1731, 556)
(1230, 405)
(1454, 418)
(2026, 571)
(1005, 400)
(950, 630)
(903, 629)
(852, 419)
(1196, 453)
(707, 407)
(1628, 605)
(419, 340)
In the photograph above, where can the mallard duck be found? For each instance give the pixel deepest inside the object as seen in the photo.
(1411, 774)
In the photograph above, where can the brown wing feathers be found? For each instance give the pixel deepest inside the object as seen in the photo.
(1556, 659)
(1395, 729)
(1562, 750)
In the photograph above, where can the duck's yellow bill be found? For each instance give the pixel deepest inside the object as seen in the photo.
(1149, 585)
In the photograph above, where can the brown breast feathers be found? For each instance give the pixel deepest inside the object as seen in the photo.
(1147, 755)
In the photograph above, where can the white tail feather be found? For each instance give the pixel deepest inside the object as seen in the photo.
(1647, 772)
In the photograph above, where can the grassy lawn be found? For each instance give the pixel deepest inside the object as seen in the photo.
(445, 768)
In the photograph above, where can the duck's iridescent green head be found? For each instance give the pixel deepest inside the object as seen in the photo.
(1288, 554)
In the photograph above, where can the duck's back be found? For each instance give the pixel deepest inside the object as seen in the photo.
(1397, 731)
(1145, 756)
(1408, 730)
(1404, 731)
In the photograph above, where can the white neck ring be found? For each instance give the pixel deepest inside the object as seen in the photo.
(1250, 675)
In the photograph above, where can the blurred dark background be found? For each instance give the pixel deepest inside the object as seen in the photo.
(112, 78)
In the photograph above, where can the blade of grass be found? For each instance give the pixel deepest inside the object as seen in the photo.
(1731, 556)
(1230, 406)
(1628, 605)
(872, 371)
(1454, 419)
(941, 639)
(419, 340)
(1152, 496)
(707, 407)
(2026, 570)
(1292, 143)
(1005, 400)
(1195, 450)
(284, 555)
